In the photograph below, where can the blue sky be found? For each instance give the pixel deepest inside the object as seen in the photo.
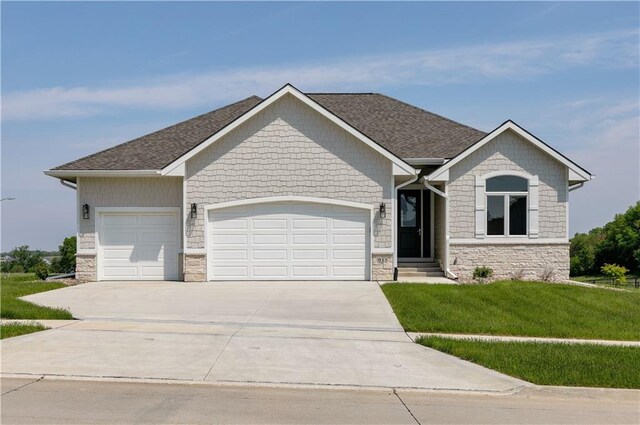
(78, 77)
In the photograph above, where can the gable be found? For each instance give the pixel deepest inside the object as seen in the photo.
(576, 173)
(289, 138)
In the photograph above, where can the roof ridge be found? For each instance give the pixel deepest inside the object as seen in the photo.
(157, 131)
(431, 113)
(340, 93)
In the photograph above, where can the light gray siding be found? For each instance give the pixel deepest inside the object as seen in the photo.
(288, 149)
(123, 192)
(509, 151)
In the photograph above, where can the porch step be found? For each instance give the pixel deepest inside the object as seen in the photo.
(431, 268)
(420, 264)
(413, 269)
(405, 274)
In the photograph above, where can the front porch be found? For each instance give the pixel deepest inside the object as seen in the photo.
(420, 236)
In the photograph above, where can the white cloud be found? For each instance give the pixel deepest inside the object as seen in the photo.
(498, 61)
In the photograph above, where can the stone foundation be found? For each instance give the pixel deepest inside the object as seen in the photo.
(511, 261)
(195, 267)
(382, 268)
(86, 268)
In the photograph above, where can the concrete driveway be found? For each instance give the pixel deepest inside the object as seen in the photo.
(327, 333)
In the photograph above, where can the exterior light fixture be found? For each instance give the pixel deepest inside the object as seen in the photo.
(85, 211)
(383, 210)
(194, 210)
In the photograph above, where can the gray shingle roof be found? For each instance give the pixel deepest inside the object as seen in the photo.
(405, 130)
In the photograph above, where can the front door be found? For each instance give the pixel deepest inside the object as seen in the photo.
(409, 223)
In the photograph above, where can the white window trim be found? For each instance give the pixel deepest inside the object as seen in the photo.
(481, 210)
(505, 198)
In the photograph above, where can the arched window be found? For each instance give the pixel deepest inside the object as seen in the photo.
(507, 205)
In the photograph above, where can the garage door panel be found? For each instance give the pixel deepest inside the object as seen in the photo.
(269, 223)
(310, 254)
(316, 272)
(119, 220)
(269, 254)
(154, 220)
(138, 246)
(309, 223)
(229, 271)
(118, 238)
(229, 254)
(269, 271)
(288, 240)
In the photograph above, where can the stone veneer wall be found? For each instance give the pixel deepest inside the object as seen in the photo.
(509, 260)
(86, 268)
(382, 267)
(195, 267)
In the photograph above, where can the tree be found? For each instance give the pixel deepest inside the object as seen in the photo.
(621, 244)
(25, 258)
(617, 242)
(67, 260)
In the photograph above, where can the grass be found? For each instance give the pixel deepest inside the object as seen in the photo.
(584, 365)
(517, 308)
(7, 330)
(19, 285)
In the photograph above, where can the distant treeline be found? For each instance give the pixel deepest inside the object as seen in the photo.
(617, 242)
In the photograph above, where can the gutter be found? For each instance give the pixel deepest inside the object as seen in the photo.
(68, 184)
(447, 270)
(575, 186)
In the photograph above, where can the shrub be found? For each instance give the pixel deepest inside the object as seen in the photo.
(615, 272)
(42, 271)
(16, 268)
(547, 275)
(482, 273)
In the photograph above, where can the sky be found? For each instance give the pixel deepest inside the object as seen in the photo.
(78, 77)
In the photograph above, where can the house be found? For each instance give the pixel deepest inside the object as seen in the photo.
(314, 186)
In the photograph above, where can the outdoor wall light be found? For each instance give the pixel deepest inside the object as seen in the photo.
(194, 210)
(383, 210)
(85, 211)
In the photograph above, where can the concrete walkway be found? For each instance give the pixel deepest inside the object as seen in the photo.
(54, 401)
(495, 338)
(284, 333)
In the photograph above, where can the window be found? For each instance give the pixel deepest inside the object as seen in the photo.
(507, 206)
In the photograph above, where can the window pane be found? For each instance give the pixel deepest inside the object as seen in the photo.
(408, 216)
(495, 215)
(518, 215)
(507, 184)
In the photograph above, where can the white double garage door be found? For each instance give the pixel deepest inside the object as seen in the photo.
(265, 241)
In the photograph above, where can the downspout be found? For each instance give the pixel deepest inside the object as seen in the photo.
(445, 260)
(394, 211)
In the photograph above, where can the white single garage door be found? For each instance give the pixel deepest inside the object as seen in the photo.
(138, 246)
(289, 241)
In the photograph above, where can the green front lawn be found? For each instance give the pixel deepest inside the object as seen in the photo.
(550, 364)
(22, 284)
(517, 308)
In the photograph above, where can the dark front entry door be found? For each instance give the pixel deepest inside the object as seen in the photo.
(409, 223)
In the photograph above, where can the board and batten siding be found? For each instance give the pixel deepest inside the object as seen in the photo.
(288, 149)
(130, 192)
(509, 152)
